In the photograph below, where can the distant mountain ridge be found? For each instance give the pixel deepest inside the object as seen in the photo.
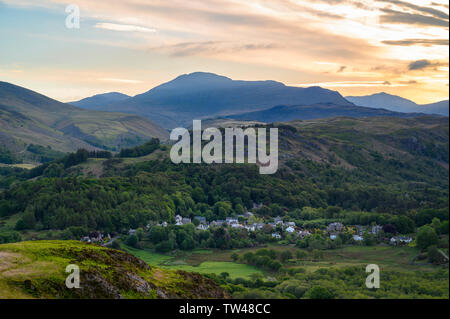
(205, 95)
(283, 113)
(95, 102)
(27, 117)
(399, 104)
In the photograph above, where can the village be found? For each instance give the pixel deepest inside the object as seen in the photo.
(276, 227)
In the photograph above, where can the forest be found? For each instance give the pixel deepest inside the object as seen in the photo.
(355, 185)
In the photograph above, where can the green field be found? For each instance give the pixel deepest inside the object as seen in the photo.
(185, 262)
(218, 261)
(235, 270)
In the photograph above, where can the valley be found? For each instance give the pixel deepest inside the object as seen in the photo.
(259, 235)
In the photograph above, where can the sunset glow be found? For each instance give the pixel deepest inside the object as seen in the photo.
(354, 47)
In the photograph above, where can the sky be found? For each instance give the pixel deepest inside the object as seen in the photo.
(129, 46)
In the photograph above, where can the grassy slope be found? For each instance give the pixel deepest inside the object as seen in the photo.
(348, 143)
(392, 138)
(218, 261)
(28, 117)
(37, 270)
(207, 265)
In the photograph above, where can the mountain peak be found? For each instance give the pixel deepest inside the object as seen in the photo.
(398, 104)
(196, 80)
(201, 75)
(203, 94)
(100, 100)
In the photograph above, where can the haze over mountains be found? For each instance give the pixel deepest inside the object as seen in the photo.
(283, 113)
(206, 95)
(100, 99)
(399, 104)
(27, 117)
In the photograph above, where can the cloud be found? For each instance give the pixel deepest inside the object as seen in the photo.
(278, 39)
(115, 80)
(393, 16)
(439, 5)
(422, 42)
(421, 64)
(123, 27)
(342, 84)
(426, 10)
(409, 82)
(184, 49)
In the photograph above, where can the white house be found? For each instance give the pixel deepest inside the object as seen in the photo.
(290, 229)
(250, 227)
(202, 227)
(304, 233)
(178, 220)
(376, 229)
(400, 240)
(201, 219)
(259, 226)
(357, 238)
(278, 220)
(335, 227)
(232, 220)
(185, 221)
(290, 224)
(276, 235)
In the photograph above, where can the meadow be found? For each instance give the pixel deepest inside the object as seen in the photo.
(216, 261)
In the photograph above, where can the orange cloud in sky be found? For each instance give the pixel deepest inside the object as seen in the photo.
(355, 47)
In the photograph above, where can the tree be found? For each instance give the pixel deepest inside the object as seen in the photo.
(433, 254)
(188, 243)
(274, 265)
(115, 244)
(436, 223)
(390, 229)
(426, 237)
(301, 255)
(404, 224)
(132, 240)
(285, 256)
(224, 275)
(319, 292)
(317, 254)
(369, 239)
(443, 228)
(234, 257)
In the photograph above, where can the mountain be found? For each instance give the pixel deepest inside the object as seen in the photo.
(104, 274)
(32, 123)
(200, 95)
(437, 108)
(283, 113)
(399, 104)
(95, 102)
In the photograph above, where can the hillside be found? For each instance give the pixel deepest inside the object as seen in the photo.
(399, 104)
(391, 172)
(199, 95)
(284, 113)
(37, 270)
(95, 102)
(386, 165)
(27, 117)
